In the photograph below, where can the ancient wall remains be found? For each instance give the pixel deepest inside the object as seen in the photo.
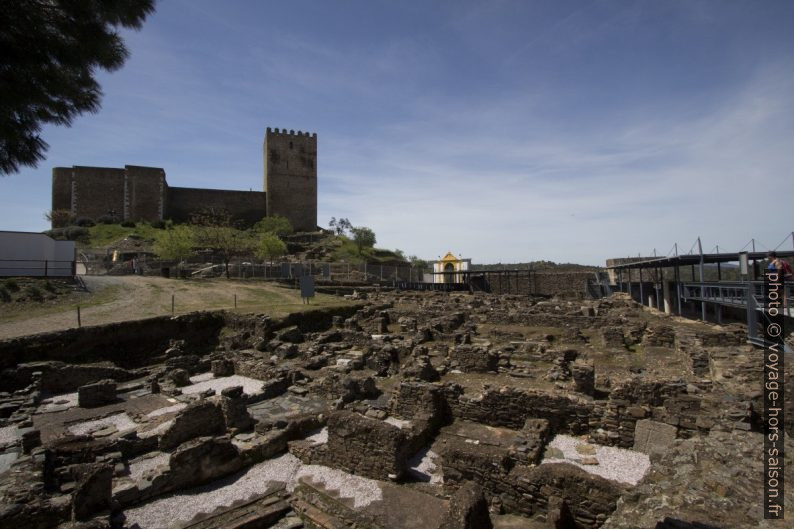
(291, 177)
(561, 284)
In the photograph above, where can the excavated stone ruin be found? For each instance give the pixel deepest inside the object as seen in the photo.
(408, 410)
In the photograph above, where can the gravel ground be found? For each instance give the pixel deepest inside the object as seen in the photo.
(6, 460)
(251, 386)
(9, 435)
(284, 469)
(424, 467)
(140, 465)
(167, 409)
(363, 491)
(399, 423)
(619, 464)
(183, 507)
(121, 421)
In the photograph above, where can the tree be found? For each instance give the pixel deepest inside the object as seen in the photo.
(175, 244)
(277, 225)
(417, 262)
(225, 241)
(340, 226)
(51, 51)
(60, 218)
(363, 237)
(268, 247)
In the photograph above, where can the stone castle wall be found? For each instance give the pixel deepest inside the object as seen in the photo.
(248, 206)
(142, 193)
(290, 161)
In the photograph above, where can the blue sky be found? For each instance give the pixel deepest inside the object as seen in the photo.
(504, 131)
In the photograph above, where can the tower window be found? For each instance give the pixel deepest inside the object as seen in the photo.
(290, 145)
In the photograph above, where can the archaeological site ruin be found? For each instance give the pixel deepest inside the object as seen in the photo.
(406, 409)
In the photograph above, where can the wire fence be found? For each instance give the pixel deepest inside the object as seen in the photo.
(347, 272)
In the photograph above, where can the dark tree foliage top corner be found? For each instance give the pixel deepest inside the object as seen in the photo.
(49, 52)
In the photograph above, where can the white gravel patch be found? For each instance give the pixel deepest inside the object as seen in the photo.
(285, 469)
(202, 377)
(399, 423)
(320, 438)
(6, 460)
(251, 386)
(121, 421)
(183, 507)
(143, 464)
(167, 409)
(363, 490)
(618, 464)
(424, 466)
(10, 435)
(58, 403)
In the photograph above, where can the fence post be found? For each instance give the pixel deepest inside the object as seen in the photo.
(46, 265)
(172, 304)
(79, 322)
(235, 300)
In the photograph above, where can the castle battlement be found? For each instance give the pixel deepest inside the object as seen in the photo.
(284, 132)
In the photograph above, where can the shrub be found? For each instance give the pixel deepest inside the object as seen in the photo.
(85, 222)
(49, 287)
(56, 233)
(11, 284)
(34, 293)
(107, 219)
(76, 233)
(128, 224)
(159, 224)
(5, 295)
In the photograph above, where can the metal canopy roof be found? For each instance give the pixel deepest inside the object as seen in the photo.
(694, 259)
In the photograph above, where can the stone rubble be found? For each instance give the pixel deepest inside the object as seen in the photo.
(407, 409)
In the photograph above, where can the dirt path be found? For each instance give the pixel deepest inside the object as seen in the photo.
(120, 298)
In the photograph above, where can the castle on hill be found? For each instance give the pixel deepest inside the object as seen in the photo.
(142, 193)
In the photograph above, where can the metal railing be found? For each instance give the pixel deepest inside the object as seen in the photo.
(728, 293)
(36, 268)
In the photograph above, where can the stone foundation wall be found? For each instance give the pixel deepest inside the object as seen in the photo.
(363, 446)
(637, 399)
(591, 499)
(510, 408)
(127, 344)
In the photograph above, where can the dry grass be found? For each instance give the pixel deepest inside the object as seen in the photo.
(114, 299)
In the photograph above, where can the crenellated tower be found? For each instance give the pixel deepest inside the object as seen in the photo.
(291, 177)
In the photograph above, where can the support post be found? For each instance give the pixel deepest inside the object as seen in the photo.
(702, 285)
(642, 294)
(79, 321)
(656, 287)
(678, 288)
